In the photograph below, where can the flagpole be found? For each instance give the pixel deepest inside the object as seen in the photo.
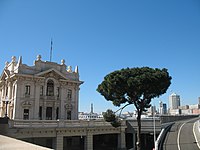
(51, 50)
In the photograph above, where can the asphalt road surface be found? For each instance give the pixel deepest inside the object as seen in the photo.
(181, 136)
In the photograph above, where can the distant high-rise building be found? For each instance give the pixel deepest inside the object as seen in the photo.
(174, 101)
(152, 110)
(199, 100)
(162, 108)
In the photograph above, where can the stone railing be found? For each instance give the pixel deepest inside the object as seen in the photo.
(58, 123)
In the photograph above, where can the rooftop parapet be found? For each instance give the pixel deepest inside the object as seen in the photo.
(40, 66)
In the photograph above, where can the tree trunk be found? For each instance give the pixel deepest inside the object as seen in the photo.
(138, 144)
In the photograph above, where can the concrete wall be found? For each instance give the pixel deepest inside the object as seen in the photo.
(3, 125)
(165, 119)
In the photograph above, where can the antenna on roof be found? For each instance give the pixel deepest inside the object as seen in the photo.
(51, 50)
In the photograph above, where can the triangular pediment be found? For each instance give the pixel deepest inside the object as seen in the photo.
(4, 74)
(51, 73)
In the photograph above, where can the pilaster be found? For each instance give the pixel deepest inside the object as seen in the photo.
(62, 99)
(121, 139)
(8, 98)
(9, 90)
(76, 101)
(89, 141)
(17, 111)
(44, 111)
(37, 100)
(59, 142)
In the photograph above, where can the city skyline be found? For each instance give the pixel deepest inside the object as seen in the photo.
(104, 36)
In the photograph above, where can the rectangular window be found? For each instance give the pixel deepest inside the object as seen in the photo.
(49, 113)
(26, 114)
(68, 115)
(57, 113)
(6, 91)
(69, 94)
(27, 90)
(41, 90)
(40, 112)
(58, 92)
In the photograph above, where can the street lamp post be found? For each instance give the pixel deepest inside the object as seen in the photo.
(154, 126)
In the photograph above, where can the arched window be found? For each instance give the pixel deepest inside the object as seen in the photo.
(50, 88)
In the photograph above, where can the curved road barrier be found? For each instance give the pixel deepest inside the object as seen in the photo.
(162, 135)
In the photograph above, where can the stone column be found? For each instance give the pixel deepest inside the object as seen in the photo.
(89, 141)
(37, 101)
(1, 99)
(76, 102)
(9, 90)
(62, 99)
(17, 111)
(134, 140)
(44, 111)
(122, 140)
(54, 111)
(59, 142)
(85, 142)
(9, 98)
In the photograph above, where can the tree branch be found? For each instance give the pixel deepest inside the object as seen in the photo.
(122, 109)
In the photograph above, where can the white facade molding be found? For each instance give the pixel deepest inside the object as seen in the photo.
(30, 92)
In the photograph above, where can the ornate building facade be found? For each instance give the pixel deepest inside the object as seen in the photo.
(44, 91)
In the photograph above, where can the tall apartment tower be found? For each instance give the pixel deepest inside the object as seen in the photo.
(44, 91)
(162, 108)
(174, 101)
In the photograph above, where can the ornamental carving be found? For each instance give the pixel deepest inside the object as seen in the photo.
(63, 83)
(26, 104)
(38, 81)
(68, 106)
(54, 75)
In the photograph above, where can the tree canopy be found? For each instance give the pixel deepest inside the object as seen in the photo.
(136, 86)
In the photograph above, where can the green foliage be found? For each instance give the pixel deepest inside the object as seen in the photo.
(116, 123)
(110, 116)
(135, 86)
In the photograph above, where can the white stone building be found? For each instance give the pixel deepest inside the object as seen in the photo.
(90, 116)
(44, 91)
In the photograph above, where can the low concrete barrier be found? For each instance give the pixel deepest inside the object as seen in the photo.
(58, 123)
(3, 125)
(162, 135)
(166, 118)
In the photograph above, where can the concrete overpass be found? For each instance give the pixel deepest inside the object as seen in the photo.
(83, 135)
(58, 134)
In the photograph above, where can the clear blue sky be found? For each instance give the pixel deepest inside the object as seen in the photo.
(101, 36)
